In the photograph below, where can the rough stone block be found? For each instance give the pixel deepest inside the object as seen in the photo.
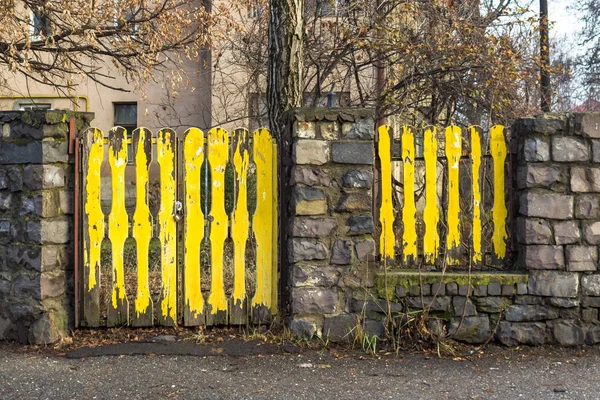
(585, 179)
(568, 333)
(494, 289)
(582, 258)
(432, 303)
(340, 328)
(426, 289)
(363, 129)
(529, 313)
(55, 151)
(533, 231)
(376, 306)
(28, 257)
(303, 329)
(342, 252)
(354, 202)
(6, 201)
(513, 334)
(536, 150)
(358, 178)
(400, 291)
(360, 225)
(553, 283)
(27, 286)
(587, 206)
(521, 288)
(567, 232)
(438, 289)
(561, 302)
(65, 201)
(309, 201)
(569, 149)
(306, 250)
(57, 131)
(546, 205)
(311, 176)
(541, 175)
(596, 151)
(463, 306)
(365, 250)
(465, 290)
(353, 152)
(452, 288)
(314, 227)
(3, 179)
(492, 305)
(305, 130)
(589, 124)
(543, 257)
(589, 314)
(329, 130)
(5, 236)
(475, 329)
(21, 153)
(49, 231)
(315, 152)
(53, 285)
(508, 290)
(314, 301)
(590, 302)
(590, 285)
(593, 335)
(591, 232)
(55, 257)
(310, 275)
(529, 300)
(15, 178)
(414, 290)
(45, 330)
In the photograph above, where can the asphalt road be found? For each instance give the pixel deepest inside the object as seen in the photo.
(498, 373)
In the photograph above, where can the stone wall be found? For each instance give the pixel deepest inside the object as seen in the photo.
(551, 294)
(330, 227)
(36, 242)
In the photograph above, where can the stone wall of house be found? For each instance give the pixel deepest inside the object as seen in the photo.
(550, 295)
(36, 235)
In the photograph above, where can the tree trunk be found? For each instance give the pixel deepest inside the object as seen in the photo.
(286, 60)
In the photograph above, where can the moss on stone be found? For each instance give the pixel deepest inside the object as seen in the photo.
(408, 278)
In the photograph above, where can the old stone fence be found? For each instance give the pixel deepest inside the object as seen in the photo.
(332, 284)
(551, 294)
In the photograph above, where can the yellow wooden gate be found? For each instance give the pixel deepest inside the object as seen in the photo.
(191, 239)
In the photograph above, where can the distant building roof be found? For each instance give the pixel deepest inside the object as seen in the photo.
(589, 105)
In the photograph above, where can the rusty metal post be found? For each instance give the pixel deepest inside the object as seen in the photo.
(74, 149)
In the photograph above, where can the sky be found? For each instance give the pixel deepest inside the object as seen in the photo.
(565, 21)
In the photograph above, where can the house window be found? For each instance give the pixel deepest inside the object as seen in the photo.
(40, 26)
(30, 106)
(126, 116)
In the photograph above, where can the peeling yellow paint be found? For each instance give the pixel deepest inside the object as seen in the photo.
(166, 220)
(193, 156)
(499, 212)
(240, 221)
(93, 209)
(142, 226)
(409, 210)
(217, 158)
(275, 233)
(453, 153)
(118, 221)
(262, 221)
(476, 164)
(386, 210)
(431, 214)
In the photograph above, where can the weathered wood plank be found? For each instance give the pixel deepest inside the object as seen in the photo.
(409, 209)
(431, 213)
(499, 211)
(453, 153)
(387, 240)
(477, 255)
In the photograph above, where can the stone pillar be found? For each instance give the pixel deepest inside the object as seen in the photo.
(330, 224)
(36, 215)
(558, 219)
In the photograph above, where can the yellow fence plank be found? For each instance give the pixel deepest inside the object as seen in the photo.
(453, 153)
(118, 227)
(240, 224)
(431, 213)
(475, 168)
(193, 157)
(386, 210)
(499, 212)
(93, 225)
(217, 158)
(167, 314)
(409, 209)
(142, 226)
(275, 232)
(262, 222)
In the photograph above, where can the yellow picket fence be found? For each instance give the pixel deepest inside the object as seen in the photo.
(182, 226)
(443, 199)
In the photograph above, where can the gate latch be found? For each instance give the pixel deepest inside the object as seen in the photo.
(178, 211)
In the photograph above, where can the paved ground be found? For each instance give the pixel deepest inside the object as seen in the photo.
(254, 370)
